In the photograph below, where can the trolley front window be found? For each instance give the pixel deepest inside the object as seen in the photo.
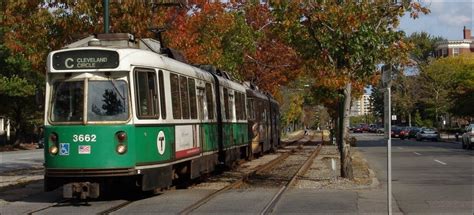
(107, 101)
(68, 101)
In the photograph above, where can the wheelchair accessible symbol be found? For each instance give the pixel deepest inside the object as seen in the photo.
(64, 149)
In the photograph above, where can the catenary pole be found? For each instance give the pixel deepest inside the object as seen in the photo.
(106, 16)
(386, 81)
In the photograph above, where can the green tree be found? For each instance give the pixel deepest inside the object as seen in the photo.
(447, 86)
(18, 86)
(376, 101)
(423, 46)
(405, 94)
(437, 79)
(350, 38)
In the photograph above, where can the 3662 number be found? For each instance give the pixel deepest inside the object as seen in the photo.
(84, 138)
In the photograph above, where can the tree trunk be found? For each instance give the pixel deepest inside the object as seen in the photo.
(409, 119)
(346, 159)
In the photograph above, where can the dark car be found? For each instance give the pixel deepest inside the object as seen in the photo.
(365, 127)
(413, 131)
(358, 129)
(396, 132)
(404, 132)
(40, 144)
(373, 128)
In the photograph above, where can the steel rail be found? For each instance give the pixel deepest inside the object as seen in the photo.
(301, 171)
(115, 208)
(244, 178)
(50, 206)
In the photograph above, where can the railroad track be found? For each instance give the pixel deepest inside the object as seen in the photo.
(301, 171)
(46, 208)
(246, 177)
(115, 208)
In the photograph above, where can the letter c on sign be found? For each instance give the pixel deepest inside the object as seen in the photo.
(66, 63)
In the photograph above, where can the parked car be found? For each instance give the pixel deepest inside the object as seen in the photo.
(358, 129)
(380, 130)
(468, 137)
(427, 134)
(372, 128)
(365, 127)
(40, 144)
(396, 132)
(404, 132)
(413, 131)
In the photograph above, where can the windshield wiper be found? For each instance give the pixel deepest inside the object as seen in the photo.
(116, 89)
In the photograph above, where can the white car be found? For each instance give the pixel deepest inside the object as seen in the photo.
(468, 137)
(427, 134)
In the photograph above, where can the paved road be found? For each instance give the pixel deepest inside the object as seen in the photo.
(427, 177)
(25, 159)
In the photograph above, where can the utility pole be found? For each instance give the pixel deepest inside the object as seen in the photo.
(106, 16)
(387, 83)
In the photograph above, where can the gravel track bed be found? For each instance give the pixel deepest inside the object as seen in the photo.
(321, 174)
(282, 173)
(220, 180)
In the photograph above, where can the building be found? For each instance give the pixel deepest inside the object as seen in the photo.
(456, 47)
(4, 130)
(361, 106)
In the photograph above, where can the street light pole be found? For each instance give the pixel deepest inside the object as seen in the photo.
(387, 82)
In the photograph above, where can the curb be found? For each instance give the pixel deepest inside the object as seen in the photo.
(451, 141)
(375, 181)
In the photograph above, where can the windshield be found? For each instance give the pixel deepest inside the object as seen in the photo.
(107, 100)
(68, 101)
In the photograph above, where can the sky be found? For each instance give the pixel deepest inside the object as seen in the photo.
(447, 19)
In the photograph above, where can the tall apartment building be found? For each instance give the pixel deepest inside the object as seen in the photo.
(456, 47)
(361, 106)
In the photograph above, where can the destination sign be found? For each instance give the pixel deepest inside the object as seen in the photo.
(85, 59)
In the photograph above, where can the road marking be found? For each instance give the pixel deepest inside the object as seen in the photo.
(440, 162)
(416, 153)
(400, 148)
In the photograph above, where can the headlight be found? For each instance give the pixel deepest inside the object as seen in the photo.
(121, 148)
(53, 150)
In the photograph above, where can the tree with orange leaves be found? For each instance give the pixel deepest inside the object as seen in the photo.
(346, 39)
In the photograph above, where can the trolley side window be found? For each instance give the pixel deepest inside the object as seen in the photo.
(237, 105)
(67, 101)
(175, 96)
(146, 94)
(192, 98)
(250, 108)
(210, 103)
(243, 114)
(231, 106)
(244, 111)
(183, 87)
(240, 105)
(162, 94)
(226, 104)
